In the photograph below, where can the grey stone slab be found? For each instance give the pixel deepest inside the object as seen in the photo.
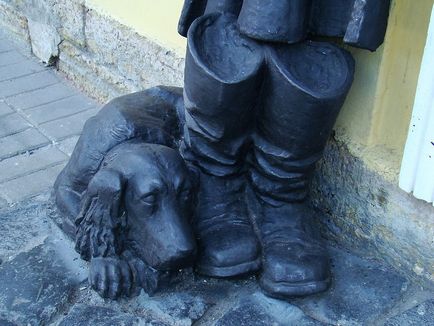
(30, 185)
(422, 314)
(12, 124)
(38, 284)
(59, 109)
(259, 310)
(361, 292)
(67, 145)
(27, 83)
(4, 322)
(173, 308)
(32, 161)
(41, 96)
(5, 109)
(3, 203)
(84, 315)
(20, 69)
(11, 57)
(69, 126)
(6, 46)
(21, 142)
(23, 227)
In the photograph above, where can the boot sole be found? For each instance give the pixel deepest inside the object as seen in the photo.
(229, 271)
(285, 290)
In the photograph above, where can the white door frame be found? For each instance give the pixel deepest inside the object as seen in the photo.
(417, 169)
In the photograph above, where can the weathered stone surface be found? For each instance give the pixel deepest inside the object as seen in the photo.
(60, 109)
(260, 310)
(362, 211)
(12, 123)
(6, 46)
(72, 15)
(68, 126)
(178, 308)
(67, 145)
(3, 203)
(36, 285)
(14, 21)
(27, 163)
(362, 290)
(20, 69)
(22, 142)
(27, 83)
(45, 41)
(423, 314)
(23, 227)
(11, 57)
(30, 185)
(41, 96)
(83, 315)
(5, 109)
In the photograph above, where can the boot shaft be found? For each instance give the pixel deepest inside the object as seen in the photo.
(304, 89)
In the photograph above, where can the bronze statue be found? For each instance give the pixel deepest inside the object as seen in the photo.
(260, 100)
(260, 104)
(126, 194)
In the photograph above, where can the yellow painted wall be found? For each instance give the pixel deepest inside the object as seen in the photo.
(375, 119)
(155, 19)
(376, 115)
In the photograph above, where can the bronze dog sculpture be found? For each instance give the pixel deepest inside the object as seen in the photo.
(127, 200)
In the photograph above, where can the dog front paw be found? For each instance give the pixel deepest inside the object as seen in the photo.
(111, 277)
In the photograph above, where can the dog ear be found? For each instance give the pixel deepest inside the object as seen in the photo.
(98, 225)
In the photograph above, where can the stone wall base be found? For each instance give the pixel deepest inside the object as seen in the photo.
(101, 56)
(361, 210)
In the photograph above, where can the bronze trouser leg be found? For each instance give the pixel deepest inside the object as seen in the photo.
(223, 76)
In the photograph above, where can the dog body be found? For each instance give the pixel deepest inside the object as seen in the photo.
(125, 195)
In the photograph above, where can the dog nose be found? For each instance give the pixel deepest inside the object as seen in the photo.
(184, 257)
(179, 253)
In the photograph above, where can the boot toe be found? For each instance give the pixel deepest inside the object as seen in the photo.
(229, 252)
(288, 275)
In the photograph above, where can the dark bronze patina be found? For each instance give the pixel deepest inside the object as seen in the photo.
(226, 165)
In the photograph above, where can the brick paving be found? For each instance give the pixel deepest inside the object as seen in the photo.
(41, 115)
(43, 281)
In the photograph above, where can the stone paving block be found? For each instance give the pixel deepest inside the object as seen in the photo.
(27, 83)
(20, 69)
(32, 161)
(84, 315)
(422, 314)
(259, 310)
(38, 284)
(41, 96)
(21, 142)
(69, 126)
(5, 109)
(3, 203)
(12, 123)
(361, 292)
(30, 185)
(59, 109)
(11, 57)
(23, 226)
(173, 308)
(6, 46)
(4, 322)
(67, 145)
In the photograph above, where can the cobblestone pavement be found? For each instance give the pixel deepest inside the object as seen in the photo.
(43, 281)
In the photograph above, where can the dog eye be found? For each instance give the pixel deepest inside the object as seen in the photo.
(149, 199)
(185, 194)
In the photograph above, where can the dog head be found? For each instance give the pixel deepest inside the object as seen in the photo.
(139, 200)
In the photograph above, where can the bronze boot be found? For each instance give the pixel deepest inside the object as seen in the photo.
(222, 81)
(304, 89)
